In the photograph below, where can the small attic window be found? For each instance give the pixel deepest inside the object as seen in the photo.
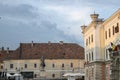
(63, 53)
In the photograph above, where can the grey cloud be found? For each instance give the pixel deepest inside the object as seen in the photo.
(15, 32)
(18, 11)
(102, 3)
(42, 25)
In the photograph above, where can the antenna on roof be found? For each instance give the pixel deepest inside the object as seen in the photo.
(7, 49)
(32, 43)
(94, 12)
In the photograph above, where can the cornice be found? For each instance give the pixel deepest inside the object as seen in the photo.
(117, 13)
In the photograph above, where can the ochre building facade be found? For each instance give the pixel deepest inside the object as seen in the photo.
(97, 38)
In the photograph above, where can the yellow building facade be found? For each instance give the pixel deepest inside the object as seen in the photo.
(97, 37)
(111, 28)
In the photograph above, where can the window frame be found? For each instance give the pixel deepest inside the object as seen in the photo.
(25, 65)
(11, 66)
(35, 65)
(109, 32)
(105, 34)
(71, 65)
(92, 38)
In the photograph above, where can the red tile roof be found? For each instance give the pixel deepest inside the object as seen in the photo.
(48, 50)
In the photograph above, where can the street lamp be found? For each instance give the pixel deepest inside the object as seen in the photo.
(5, 74)
(19, 72)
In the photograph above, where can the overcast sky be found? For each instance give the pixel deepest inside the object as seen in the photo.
(23, 21)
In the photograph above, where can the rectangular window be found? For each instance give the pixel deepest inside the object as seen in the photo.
(109, 33)
(92, 72)
(53, 75)
(105, 34)
(62, 65)
(35, 65)
(107, 71)
(86, 72)
(89, 57)
(11, 66)
(117, 28)
(92, 56)
(53, 65)
(106, 54)
(71, 65)
(86, 42)
(1, 67)
(113, 30)
(91, 38)
(25, 65)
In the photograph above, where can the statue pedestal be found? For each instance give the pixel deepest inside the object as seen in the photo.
(42, 74)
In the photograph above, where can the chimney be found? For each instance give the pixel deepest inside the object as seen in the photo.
(7, 49)
(2, 48)
(83, 27)
(94, 16)
(32, 43)
(20, 52)
(49, 42)
(61, 42)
